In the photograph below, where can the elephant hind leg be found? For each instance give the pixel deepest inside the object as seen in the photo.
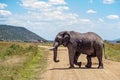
(100, 63)
(99, 56)
(100, 66)
(89, 63)
(76, 56)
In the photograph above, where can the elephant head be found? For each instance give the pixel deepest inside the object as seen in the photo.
(62, 38)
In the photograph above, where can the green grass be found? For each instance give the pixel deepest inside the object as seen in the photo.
(29, 66)
(34, 67)
(112, 51)
(46, 44)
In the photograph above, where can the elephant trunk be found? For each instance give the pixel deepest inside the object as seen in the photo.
(55, 51)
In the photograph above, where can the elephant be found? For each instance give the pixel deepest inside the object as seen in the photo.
(88, 43)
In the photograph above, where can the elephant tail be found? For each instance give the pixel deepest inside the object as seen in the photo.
(105, 56)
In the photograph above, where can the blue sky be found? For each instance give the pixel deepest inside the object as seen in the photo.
(48, 17)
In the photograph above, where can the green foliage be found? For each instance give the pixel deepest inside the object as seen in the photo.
(34, 66)
(29, 66)
(33, 49)
(46, 44)
(113, 51)
(13, 49)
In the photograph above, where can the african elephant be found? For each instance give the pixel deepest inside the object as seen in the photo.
(87, 43)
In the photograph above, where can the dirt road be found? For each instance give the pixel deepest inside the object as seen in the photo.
(60, 71)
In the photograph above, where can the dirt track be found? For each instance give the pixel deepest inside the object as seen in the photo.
(60, 71)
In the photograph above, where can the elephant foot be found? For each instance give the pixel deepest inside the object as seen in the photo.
(71, 67)
(79, 64)
(100, 67)
(88, 65)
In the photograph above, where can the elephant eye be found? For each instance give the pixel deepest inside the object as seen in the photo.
(57, 39)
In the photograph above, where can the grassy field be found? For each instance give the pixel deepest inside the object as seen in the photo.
(25, 61)
(21, 61)
(112, 51)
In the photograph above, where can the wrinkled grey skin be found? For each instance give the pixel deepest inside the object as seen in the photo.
(87, 43)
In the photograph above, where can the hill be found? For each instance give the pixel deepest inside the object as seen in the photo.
(14, 33)
(117, 40)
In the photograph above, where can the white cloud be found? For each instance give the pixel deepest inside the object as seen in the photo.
(45, 17)
(43, 5)
(57, 1)
(108, 1)
(85, 21)
(49, 10)
(60, 8)
(100, 20)
(5, 13)
(2, 5)
(35, 4)
(90, 11)
(112, 17)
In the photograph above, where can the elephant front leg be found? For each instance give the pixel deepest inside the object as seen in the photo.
(89, 63)
(71, 58)
(76, 56)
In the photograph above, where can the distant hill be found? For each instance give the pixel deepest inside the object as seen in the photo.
(117, 40)
(114, 41)
(14, 33)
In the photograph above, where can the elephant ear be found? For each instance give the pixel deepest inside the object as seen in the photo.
(66, 38)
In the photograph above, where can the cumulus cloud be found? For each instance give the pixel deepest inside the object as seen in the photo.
(85, 21)
(57, 1)
(5, 13)
(3, 5)
(53, 14)
(43, 5)
(108, 1)
(60, 8)
(35, 4)
(90, 11)
(48, 11)
(113, 17)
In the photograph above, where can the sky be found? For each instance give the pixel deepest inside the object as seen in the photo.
(48, 17)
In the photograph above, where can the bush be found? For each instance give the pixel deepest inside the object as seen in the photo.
(13, 49)
(32, 64)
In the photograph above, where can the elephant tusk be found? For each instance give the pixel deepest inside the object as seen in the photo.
(52, 48)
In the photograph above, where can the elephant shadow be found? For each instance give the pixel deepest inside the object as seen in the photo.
(73, 68)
